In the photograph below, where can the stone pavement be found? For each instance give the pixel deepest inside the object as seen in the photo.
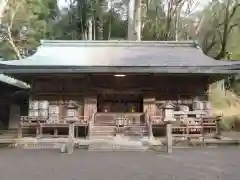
(184, 164)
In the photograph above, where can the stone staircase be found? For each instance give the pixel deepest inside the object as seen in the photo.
(118, 143)
(136, 131)
(8, 133)
(103, 131)
(8, 137)
(111, 138)
(106, 131)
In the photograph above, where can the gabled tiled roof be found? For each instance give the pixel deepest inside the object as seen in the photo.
(107, 56)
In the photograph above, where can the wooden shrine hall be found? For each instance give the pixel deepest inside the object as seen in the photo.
(111, 87)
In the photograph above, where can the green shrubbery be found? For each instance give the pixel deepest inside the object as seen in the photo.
(236, 87)
(230, 123)
(222, 99)
(228, 103)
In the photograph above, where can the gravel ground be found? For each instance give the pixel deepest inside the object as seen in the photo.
(183, 164)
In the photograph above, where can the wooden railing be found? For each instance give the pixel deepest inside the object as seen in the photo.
(105, 119)
(185, 126)
(157, 120)
(31, 121)
(116, 119)
(39, 123)
(192, 127)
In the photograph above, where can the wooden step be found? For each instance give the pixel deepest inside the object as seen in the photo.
(8, 133)
(136, 131)
(103, 131)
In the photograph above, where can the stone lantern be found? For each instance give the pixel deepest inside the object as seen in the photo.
(168, 116)
(168, 112)
(72, 112)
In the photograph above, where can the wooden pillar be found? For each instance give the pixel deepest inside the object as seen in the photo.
(149, 105)
(55, 133)
(90, 105)
(40, 131)
(81, 109)
(61, 110)
(218, 127)
(150, 130)
(20, 129)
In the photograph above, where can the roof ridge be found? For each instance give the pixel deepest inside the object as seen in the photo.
(117, 43)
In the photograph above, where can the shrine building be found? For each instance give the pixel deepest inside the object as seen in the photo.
(104, 85)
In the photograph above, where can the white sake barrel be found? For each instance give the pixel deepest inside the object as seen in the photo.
(53, 109)
(183, 108)
(52, 119)
(43, 113)
(207, 105)
(33, 113)
(33, 105)
(208, 109)
(43, 104)
(198, 105)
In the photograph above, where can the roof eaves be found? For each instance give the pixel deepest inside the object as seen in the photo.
(103, 69)
(118, 43)
(14, 82)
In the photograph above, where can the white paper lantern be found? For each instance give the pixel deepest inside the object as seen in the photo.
(183, 108)
(198, 105)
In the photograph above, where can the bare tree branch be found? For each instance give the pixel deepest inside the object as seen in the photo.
(231, 27)
(9, 30)
(234, 11)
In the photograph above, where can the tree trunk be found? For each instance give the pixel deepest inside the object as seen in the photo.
(177, 23)
(131, 7)
(94, 28)
(90, 28)
(137, 23)
(134, 20)
(223, 50)
(3, 5)
(109, 29)
(100, 28)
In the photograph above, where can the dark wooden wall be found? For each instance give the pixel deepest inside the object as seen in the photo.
(84, 89)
